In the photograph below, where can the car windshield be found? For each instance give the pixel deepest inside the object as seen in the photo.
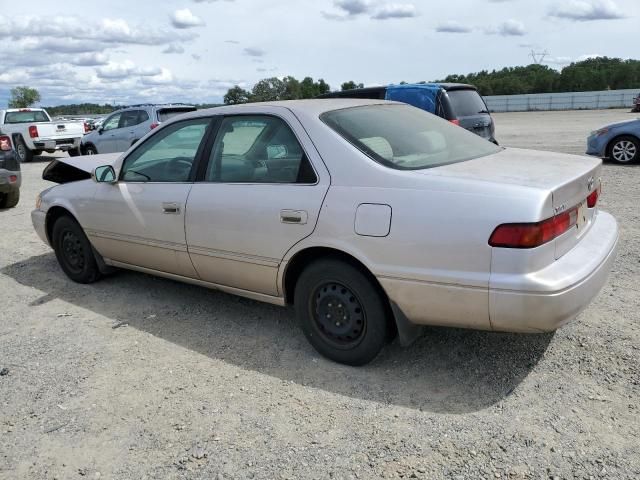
(34, 116)
(466, 103)
(405, 137)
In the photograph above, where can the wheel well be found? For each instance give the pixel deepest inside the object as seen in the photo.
(53, 214)
(614, 139)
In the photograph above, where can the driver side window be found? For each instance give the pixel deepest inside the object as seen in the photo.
(111, 122)
(168, 155)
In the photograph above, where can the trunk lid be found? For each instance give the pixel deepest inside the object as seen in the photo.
(59, 130)
(569, 179)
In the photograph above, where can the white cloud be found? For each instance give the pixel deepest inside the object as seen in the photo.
(185, 19)
(451, 26)
(174, 48)
(508, 28)
(395, 10)
(587, 10)
(377, 10)
(254, 52)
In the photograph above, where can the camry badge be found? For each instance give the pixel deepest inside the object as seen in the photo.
(591, 183)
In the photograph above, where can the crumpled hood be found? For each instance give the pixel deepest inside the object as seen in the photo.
(74, 169)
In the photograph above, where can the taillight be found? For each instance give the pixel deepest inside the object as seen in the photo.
(455, 122)
(33, 131)
(86, 127)
(153, 125)
(592, 199)
(13, 178)
(5, 143)
(532, 235)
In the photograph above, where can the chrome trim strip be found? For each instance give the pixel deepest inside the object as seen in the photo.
(239, 257)
(181, 247)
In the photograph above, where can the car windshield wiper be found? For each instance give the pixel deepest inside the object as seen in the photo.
(484, 111)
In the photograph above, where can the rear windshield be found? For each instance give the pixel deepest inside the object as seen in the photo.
(466, 103)
(26, 117)
(405, 137)
(167, 113)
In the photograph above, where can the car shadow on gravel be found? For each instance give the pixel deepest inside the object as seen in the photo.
(447, 370)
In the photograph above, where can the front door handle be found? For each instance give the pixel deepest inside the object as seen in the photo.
(298, 217)
(171, 208)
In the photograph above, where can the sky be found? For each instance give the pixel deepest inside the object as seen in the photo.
(134, 51)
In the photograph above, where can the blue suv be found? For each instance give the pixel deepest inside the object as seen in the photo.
(457, 102)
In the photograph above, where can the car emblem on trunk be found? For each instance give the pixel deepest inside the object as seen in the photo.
(591, 183)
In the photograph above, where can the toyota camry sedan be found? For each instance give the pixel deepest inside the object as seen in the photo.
(371, 218)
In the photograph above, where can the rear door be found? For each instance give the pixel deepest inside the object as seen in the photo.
(127, 131)
(261, 193)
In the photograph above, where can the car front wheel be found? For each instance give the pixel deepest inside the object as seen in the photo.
(73, 251)
(341, 311)
(625, 150)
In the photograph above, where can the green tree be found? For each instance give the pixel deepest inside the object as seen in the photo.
(350, 85)
(23, 97)
(236, 95)
(268, 90)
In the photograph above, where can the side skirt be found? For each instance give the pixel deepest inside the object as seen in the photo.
(280, 301)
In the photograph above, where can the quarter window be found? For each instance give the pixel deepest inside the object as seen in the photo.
(258, 149)
(168, 155)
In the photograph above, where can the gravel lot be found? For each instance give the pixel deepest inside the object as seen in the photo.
(137, 377)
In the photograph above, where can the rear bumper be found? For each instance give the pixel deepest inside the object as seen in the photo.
(7, 184)
(57, 144)
(545, 300)
(38, 218)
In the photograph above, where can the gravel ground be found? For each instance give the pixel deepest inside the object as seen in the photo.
(137, 377)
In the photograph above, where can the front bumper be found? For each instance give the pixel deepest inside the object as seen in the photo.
(596, 146)
(38, 218)
(545, 300)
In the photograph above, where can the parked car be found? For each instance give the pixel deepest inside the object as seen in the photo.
(459, 103)
(619, 142)
(368, 216)
(10, 177)
(32, 131)
(124, 128)
(636, 104)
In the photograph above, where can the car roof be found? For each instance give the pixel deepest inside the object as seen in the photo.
(314, 106)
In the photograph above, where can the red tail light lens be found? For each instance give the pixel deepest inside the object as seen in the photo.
(592, 199)
(455, 122)
(33, 131)
(13, 178)
(532, 235)
(5, 143)
(86, 127)
(154, 125)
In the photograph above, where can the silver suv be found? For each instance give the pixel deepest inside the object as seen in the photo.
(123, 128)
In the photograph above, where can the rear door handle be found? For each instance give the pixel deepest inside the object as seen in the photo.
(298, 217)
(171, 208)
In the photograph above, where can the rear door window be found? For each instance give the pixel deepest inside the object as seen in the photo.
(466, 103)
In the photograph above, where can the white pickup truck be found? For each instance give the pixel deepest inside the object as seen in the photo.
(33, 132)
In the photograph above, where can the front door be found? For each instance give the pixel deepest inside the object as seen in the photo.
(107, 140)
(140, 219)
(262, 193)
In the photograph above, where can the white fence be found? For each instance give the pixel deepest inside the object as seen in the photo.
(562, 101)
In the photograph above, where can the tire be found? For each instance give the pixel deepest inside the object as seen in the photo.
(24, 154)
(10, 200)
(624, 150)
(36, 152)
(90, 150)
(331, 289)
(74, 252)
(74, 152)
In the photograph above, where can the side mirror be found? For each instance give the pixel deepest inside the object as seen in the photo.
(104, 174)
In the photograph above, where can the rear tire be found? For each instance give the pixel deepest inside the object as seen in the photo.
(90, 150)
(74, 152)
(10, 200)
(24, 154)
(624, 150)
(341, 311)
(36, 152)
(73, 251)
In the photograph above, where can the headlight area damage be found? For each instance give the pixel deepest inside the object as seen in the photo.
(67, 170)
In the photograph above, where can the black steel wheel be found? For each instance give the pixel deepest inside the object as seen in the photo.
(342, 311)
(73, 251)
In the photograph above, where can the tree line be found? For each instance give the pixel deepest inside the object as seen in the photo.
(600, 73)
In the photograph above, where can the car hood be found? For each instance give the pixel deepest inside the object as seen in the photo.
(74, 169)
(625, 123)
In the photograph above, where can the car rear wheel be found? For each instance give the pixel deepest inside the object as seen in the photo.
(90, 150)
(10, 200)
(74, 152)
(73, 251)
(625, 149)
(24, 154)
(341, 311)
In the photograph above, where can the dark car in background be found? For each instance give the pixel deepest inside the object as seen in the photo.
(457, 102)
(10, 177)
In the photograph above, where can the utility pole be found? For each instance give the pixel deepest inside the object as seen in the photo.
(538, 57)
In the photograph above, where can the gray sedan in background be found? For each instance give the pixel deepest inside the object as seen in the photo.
(372, 218)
